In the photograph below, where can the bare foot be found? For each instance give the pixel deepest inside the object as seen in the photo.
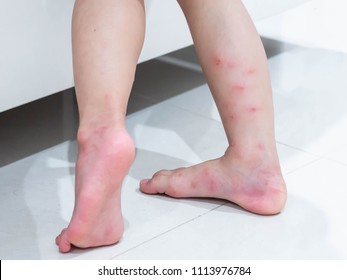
(104, 158)
(257, 187)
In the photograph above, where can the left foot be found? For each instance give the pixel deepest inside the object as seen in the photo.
(104, 159)
(258, 188)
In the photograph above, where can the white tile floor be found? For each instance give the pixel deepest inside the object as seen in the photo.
(310, 93)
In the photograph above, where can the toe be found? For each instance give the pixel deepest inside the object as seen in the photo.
(58, 238)
(149, 186)
(155, 185)
(164, 182)
(63, 243)
(144, 185)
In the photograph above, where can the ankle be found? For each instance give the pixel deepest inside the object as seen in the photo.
(251, 159)
(262, 171)
(242, 154)
(100, 127)
(99, 123)
(108, 137)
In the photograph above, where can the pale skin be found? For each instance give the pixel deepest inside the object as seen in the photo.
(234, 62)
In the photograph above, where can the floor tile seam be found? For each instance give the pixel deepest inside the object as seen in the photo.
(134, 114)
(314, 160)
(334, 160)
(198, 114)
(45, 150)
(317, 156)
(158, 102)
(148, 98)
(192, 111)
(303, 166)
(171, 60)
(175, 106)
(168, 231)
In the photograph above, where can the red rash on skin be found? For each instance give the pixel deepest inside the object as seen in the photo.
(260, 146)
(218, 61)
(250, 71)
(194, 185)
(257, 192)
(252, 109)
(233, 117)
(236, 89)
(108, 98)
(211, 183)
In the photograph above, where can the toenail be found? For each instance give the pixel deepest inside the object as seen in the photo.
(144, 182)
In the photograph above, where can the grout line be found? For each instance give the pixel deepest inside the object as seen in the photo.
(318, 157)
(334, 160)
(198, 114)
(175, 106)
(298, 149)
(313, 162)
(180, 62)
(167, 231)
(303, 166)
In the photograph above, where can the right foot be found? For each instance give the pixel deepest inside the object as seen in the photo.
(104, 158)
(258, 188)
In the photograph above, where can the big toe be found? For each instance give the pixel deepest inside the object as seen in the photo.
(63, 242)
(157, 184)
(151, 186)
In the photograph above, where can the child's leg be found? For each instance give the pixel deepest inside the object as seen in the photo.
(235, 65)
(107, 39)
